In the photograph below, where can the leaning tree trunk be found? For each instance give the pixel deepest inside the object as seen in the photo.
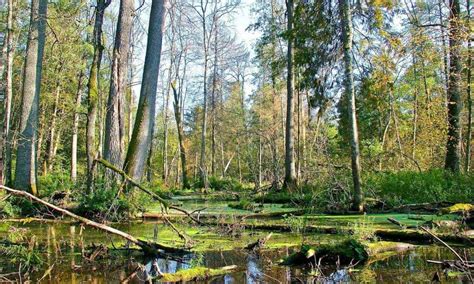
(93, 90)
(453, 144)
(115, 110)
(139, 145)
(346, 22)
(290, 171)
(26, 159)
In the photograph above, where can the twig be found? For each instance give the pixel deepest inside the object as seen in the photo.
(445, 244)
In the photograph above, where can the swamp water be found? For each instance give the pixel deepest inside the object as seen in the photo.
(61, 246)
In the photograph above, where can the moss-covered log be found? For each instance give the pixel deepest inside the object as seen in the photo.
(403, 235)
(196, 274)
(346, 252)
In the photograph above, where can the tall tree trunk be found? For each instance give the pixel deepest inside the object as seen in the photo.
(139, 145)
(93, 91)
(6, 89)
(26, 161)
(75, 127)
(346, 21)
(415, 112)
(454, 89)
(290, 170)
(213, 106)
(202, 160)
(179, 126)
(115, 110)
(467, 165)
(52, 129)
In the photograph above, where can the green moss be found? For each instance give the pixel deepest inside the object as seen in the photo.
(458, 208)
(195, 274)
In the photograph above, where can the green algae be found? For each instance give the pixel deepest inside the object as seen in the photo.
(195, 274)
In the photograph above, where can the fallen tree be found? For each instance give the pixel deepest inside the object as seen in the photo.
(149, 248)
(155, 196)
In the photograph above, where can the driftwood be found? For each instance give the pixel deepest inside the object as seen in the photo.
(147, 247)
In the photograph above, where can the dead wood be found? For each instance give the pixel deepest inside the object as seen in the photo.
(259, 244)
(147, 247)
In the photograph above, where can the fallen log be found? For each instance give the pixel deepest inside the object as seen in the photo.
(196, 274)
(408, 235)
(149, 248)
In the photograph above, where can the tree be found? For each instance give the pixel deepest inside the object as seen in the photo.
(26, 162)
(139, 146)
(453, 144)
(6, 89)
(93, 89)
(290, 170)
(115, 114)
(346, 23)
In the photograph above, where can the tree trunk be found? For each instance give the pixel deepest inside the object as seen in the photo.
(213, 105)
(93, 91)
(346, 21)
(5, 145)
(26, 162)
(52, 128)
(115, 110)
(179, 126)
(202, 160)
(454, 89)
(75, 128)
(139, 145)
(467, 165)
(290, 171)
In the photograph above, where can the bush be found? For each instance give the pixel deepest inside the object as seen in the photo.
(54, 182)
(407, 187)
(243, 205)
(96, 205)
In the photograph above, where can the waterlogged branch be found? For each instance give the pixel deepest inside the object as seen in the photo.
(147, 247)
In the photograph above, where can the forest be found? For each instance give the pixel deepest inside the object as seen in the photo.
(236, 141)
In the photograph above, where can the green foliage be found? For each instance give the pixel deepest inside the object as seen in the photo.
(221, 184)
(197, 260)
(25, 254)
(407, 187)
(364, 230)
(296, 224)
(55, 182)
(97, 204)
(243, 204)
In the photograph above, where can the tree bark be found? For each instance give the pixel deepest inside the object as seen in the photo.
(139, 145)
(52, 128)
(75, 128)
(179, 126)
(202, 160)
(93, 91)
(454, 89)
(26, 162)
(115, 109)
(346, 21)
(467, 165)
(290, 170)
(7, 88)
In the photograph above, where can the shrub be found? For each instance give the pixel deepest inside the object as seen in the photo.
(96, 205)
(54, 182)
(407, 187)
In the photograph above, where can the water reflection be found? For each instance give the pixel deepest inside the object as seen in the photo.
(63, 245)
